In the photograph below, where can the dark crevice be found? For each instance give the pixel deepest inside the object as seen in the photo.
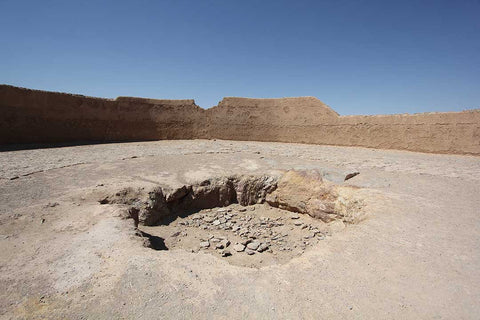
(153, 242)
(351, 175)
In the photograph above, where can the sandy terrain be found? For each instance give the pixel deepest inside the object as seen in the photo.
(65, 255)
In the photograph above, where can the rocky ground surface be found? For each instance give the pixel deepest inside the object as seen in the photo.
(413, 254)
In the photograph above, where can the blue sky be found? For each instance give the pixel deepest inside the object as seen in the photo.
(359, 57)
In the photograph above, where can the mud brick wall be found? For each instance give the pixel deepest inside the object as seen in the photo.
(33, 116)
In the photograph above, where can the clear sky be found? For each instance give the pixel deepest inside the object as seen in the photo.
(359, 57)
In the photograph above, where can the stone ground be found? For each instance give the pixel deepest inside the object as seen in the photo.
(64, 255)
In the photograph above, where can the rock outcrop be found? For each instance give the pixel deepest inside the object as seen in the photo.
(296, 191)
(150, 207)
(309, 193)
(305, 192)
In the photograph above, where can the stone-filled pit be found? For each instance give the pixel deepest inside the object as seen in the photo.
(251, 220)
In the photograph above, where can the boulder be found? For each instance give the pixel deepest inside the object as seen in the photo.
(305, 192)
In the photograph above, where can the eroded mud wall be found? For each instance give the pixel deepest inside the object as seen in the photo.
(308, 120)
(29, 116)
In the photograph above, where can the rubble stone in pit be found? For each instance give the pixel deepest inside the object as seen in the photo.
(253, 238)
